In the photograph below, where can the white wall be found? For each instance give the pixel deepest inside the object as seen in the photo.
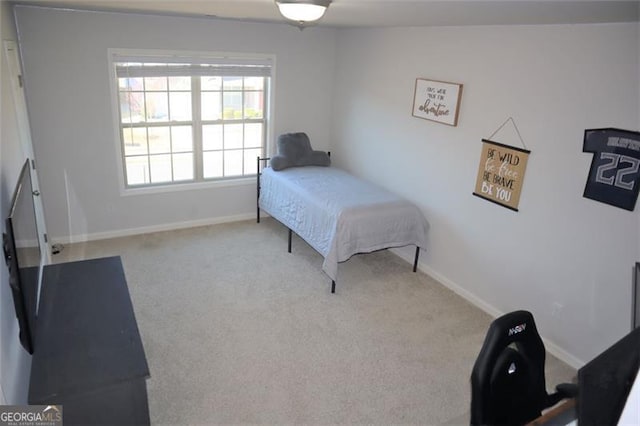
(566, 258)
(66, 74)
(15, 363)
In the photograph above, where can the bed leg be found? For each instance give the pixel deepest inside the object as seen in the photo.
(415, 261)
(333, 286)
(290, 232)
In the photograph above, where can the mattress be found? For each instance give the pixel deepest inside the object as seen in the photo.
(338, 214)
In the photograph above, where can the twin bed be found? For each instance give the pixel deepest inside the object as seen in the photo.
(336, 213)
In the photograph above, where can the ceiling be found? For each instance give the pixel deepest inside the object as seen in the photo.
(368, 13)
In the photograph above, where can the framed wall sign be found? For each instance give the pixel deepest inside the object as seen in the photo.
(615, 168)
(501, 173)
(437, 101)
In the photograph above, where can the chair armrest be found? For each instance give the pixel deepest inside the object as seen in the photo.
(563, 391)
(568, 390)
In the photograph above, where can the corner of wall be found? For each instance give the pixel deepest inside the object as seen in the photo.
(14, 363)
(3, 401)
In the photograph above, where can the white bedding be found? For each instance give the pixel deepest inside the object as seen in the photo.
(338, 214)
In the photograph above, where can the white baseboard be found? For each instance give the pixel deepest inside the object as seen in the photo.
(81, 238)
(464, 293)
(551, 347)
(563, 355)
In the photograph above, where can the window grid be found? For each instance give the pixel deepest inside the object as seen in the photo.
(147, 121)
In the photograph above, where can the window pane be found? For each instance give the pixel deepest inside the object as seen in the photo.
(250, 156)
(253, 104)
(233, 163)
(232, 83)
(180, 103)
(253, 135)
(160, 168)
(183, 167)
(254, 83)
(157, 106)
(127, 139)
(232, 136)
(212, 164)
(212, 137)
(137, 170)
(130, 84)
(140, 138)
(132, 107)
(181, 139)
(211, 106)
(155, 83)
(180, 83)
(159, 140)
(135, 141)
(211, 83)
(232, 102)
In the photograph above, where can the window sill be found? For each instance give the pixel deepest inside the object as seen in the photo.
(190, 186)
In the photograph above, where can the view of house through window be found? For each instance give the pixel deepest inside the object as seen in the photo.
(191, 122)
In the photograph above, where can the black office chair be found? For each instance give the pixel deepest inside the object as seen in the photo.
(507, 381)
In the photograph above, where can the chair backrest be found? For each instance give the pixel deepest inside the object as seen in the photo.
(507, 381)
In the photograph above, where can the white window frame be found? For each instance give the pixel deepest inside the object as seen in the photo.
(114, 55)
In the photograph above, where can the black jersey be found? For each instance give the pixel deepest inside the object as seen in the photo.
(615, 168)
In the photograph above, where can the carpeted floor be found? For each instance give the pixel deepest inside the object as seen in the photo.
(237, 330)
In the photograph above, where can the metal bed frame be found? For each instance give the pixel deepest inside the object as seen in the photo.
(263, 162)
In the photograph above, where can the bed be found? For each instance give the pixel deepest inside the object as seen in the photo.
(338, 214)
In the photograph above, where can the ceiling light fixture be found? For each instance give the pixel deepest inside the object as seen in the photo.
(303, 12)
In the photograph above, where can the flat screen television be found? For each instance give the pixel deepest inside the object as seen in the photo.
(23, 256)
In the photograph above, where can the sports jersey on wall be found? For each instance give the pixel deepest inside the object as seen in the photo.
(615, 168)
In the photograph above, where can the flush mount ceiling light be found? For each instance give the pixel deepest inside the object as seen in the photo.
(303, 12)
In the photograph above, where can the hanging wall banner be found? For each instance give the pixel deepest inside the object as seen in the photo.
(501, 173)
(615, 169)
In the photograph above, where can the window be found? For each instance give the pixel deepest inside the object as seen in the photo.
(185, 119)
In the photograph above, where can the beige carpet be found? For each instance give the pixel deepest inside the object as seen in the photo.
(237, 330)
